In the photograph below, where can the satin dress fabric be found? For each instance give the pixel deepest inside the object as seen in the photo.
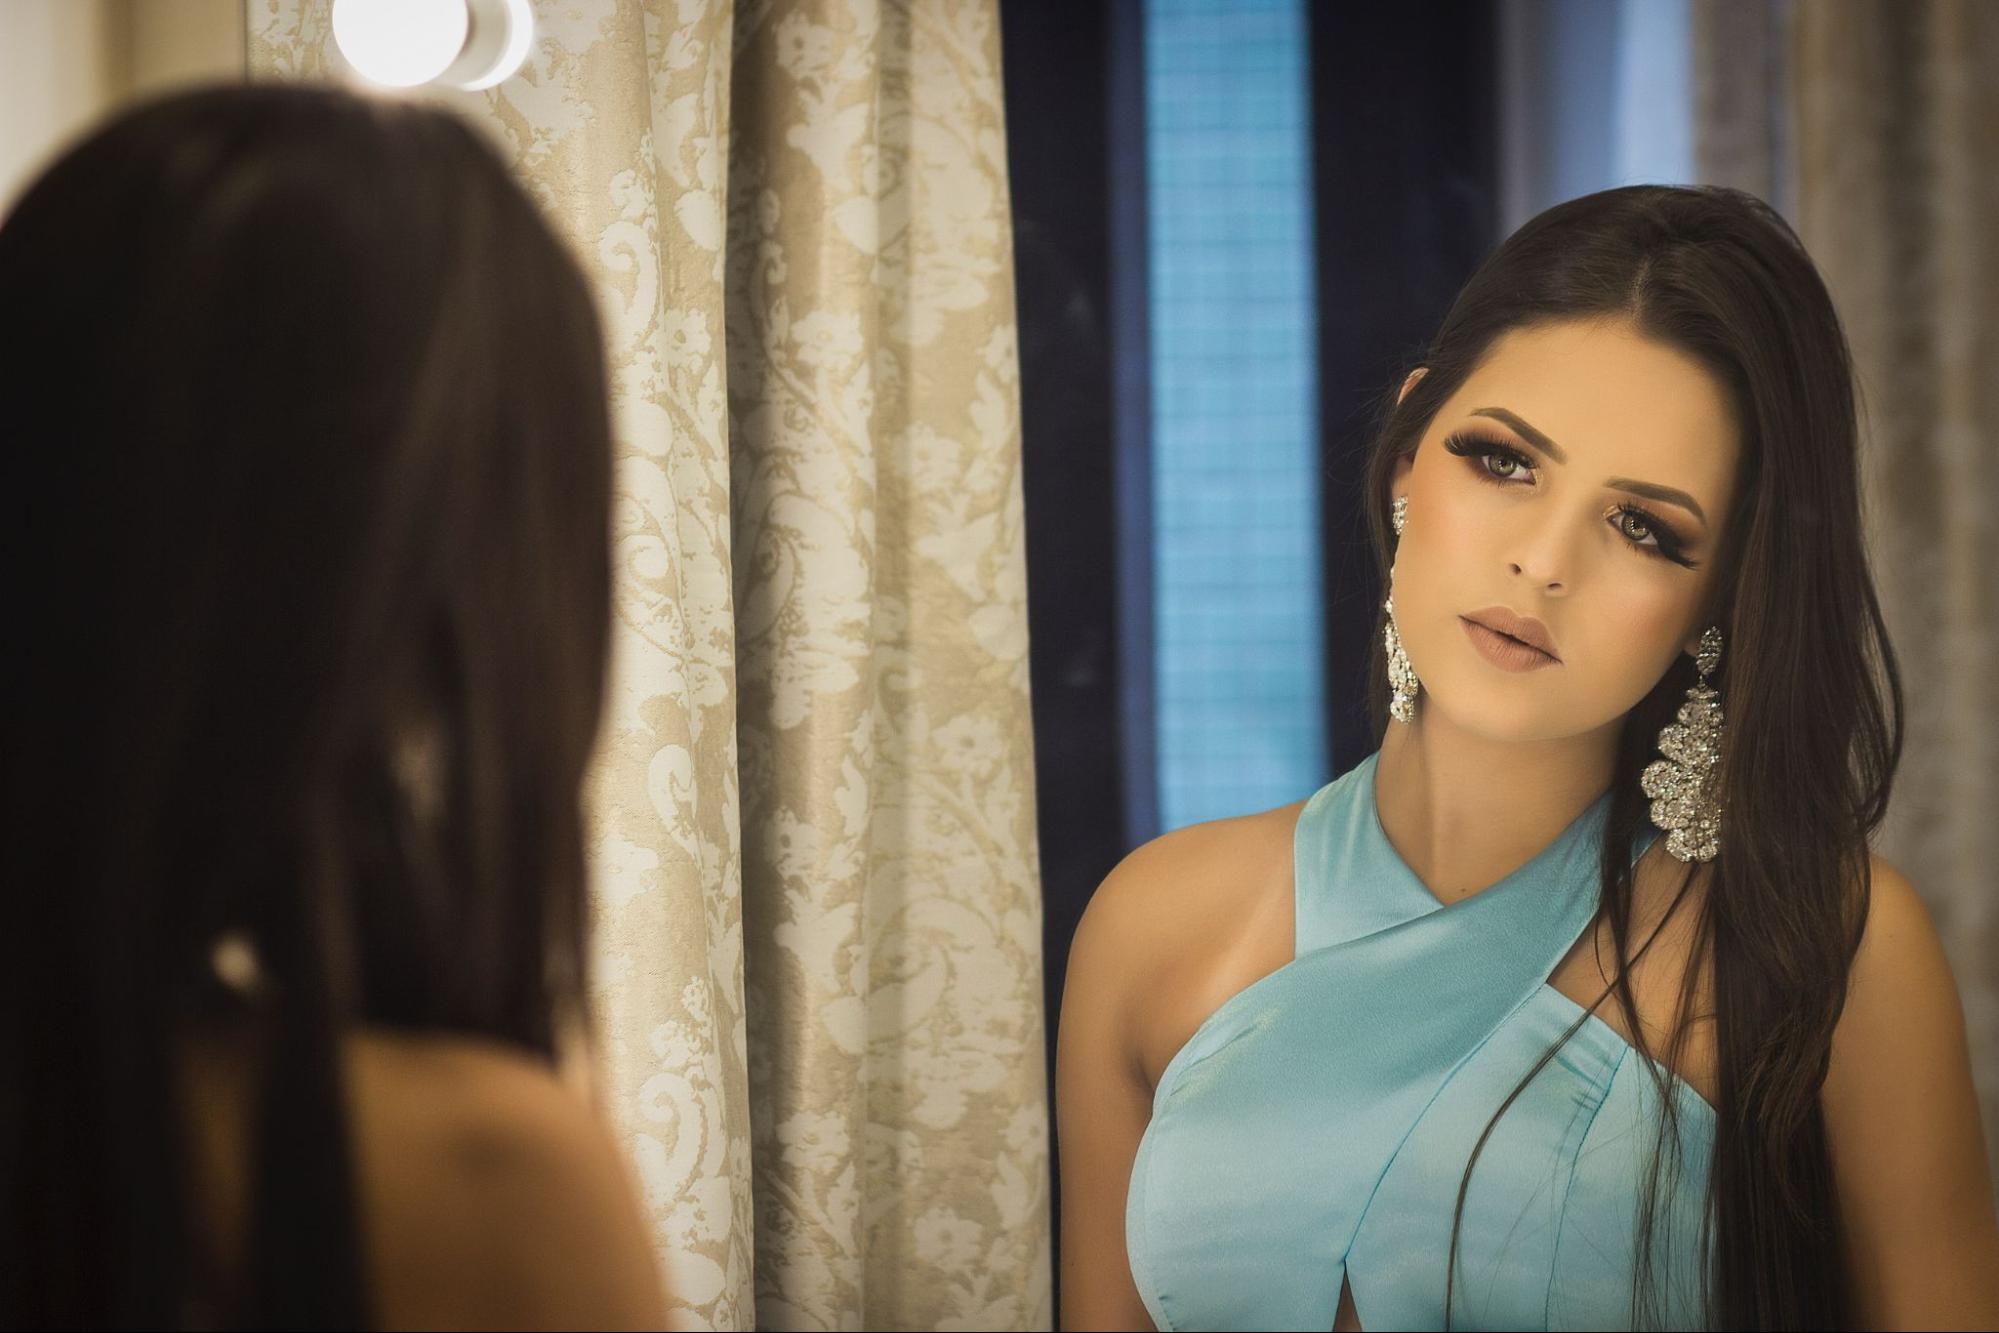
(1316, 1127)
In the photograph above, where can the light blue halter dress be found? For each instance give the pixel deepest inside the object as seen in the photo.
(1317, 1125)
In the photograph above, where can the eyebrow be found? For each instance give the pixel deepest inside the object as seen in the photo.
(1650, 489)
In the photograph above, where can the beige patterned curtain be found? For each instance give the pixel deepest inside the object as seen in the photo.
(1891, 118)
(819, 975)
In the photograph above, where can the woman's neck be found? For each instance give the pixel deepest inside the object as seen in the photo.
(1465, 810)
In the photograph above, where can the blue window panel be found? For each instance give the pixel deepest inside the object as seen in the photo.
(1655, 85)
(1237, 622)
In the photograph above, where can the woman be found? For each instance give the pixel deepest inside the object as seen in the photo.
(1349, 1063)
(309, 462)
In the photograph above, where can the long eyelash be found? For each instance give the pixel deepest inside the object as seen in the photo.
(1669, 546)
(1477, 447)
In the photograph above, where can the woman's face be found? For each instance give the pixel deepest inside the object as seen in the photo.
(1578, 416)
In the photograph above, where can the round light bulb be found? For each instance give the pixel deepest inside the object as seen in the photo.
(502, 32)
(400, 43)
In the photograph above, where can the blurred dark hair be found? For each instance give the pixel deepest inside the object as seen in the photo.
(1809, 689)
(308, 452)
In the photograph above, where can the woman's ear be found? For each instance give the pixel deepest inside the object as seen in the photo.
(1410, 383)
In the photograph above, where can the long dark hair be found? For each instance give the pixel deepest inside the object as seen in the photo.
(1809, 688)
(308, 471)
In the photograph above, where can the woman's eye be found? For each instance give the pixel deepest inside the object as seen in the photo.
(1651, 537)
(1502, 464)
(1495, 460)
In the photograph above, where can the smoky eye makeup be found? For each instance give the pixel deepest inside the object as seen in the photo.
(1481, 452)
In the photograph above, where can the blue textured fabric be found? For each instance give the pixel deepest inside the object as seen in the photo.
(1317, 1125)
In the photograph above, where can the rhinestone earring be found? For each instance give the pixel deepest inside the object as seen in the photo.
(1681, 785)
(1402, 682)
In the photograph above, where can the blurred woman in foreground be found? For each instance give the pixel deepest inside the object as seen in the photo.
(308, 449)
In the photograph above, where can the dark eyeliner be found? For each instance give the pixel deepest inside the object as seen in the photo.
(1465, 444)
(1669, 547)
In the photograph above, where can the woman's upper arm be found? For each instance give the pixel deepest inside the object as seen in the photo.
(1101, 1103)
(1908, 1152)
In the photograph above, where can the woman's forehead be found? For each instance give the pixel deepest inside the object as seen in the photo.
(1612, 401)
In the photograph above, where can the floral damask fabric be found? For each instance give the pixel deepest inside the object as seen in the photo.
(818, 918)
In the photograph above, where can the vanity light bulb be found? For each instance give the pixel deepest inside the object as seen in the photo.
(469, 44)
(400, 43)
(502, 31)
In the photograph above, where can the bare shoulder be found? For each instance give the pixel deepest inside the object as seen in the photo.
(1185, 871)
(1185, 921)
(1902, 1122)
(496, 1195)
(1900, 974)
(1178, 889)
(1901, 999)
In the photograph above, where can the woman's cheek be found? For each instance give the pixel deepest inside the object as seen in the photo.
(1643, 640)
(1460, 527)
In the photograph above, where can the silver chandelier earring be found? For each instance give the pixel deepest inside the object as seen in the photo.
(1402, 682)
(1681, 785)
